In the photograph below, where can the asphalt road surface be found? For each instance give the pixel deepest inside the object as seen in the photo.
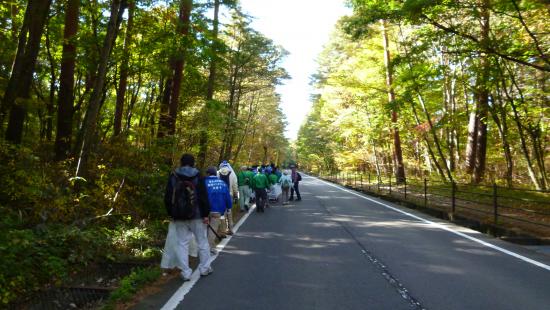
(337, 249)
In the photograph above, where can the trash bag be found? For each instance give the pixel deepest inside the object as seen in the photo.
(169, 258)
(274, 192)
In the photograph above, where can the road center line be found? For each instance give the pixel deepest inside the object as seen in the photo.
(179, 295)
(443, 227)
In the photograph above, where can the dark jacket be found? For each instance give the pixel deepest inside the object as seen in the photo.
(190, 174)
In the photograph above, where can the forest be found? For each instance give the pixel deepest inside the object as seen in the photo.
(99, 99)
(450, 90)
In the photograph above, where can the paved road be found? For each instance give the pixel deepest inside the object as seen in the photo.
(337, 250)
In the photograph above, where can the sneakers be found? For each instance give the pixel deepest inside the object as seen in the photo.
(207, 272)
(213, 251)
(184, 278)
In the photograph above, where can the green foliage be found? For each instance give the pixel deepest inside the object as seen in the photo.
(132, 284)
(44, 255)
(439, 59)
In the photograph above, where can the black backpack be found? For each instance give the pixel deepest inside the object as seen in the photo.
(183, 201)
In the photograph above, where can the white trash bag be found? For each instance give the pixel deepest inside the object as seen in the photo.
(169, 256)
(274, 192)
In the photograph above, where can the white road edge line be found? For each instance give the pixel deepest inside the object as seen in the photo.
(179, 295)
(443, 227)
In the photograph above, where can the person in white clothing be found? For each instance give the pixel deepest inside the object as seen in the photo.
(189, 217)
(228, 175)
(286, 183)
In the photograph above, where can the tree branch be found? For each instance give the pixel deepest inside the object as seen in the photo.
(531, 34)
(486, 49)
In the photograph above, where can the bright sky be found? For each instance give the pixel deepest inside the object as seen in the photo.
(302, 27)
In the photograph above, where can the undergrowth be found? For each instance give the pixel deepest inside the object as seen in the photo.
(54, 225)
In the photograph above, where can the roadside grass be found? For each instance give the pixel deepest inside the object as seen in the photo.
(516, 209)
(130, 285)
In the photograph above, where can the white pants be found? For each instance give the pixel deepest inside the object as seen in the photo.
(244, 196)
(179, 250)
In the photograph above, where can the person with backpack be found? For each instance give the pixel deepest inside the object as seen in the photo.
(244, 178)
(296, 178)
(260, 184)
(286, 184)
(227, 175)
(186, 202)
(220, 202)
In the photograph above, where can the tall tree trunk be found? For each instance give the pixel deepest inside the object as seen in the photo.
(164, 107)
(482, 96)
(399, 168)
(65, 101)
(203, 140)
(19, 85)
(450, 109)
(123, 82)
(147, 106)
(523, 142)
(455, 136)
(502, 127)
(178, 63)
(233, 121)
(170, 101)
(428, 146)
(50, 103)
(252, 144)
(471, 144)
(252, 107)
(90, 120)
(264, 160)
(230, 106)
(133, 101)
(435, 137)
(18, 63)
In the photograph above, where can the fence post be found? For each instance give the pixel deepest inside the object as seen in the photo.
(355, 179)
(405, 183)
(369, 181)
(425, 192)
(378, 177)
(390, 184)
(453, 198)
(361, 177)
(495, 205)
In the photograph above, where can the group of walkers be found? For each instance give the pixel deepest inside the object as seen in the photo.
(198, 206)
(260, 181)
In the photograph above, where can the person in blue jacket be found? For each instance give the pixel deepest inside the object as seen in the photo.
(220, 202)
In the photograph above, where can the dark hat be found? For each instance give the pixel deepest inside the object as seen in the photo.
(211, 171)
(187, 160)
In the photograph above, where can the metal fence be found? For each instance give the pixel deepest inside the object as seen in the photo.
(528, 210)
